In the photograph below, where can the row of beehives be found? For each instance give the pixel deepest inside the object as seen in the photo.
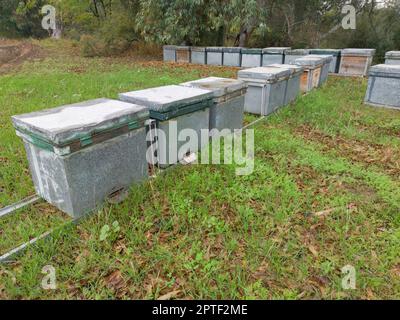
(353, 62)
(384, 83)
(81, 154)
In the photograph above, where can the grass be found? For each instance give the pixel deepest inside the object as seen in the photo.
(201, 232)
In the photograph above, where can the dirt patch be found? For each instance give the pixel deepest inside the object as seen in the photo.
(8, 53)
(384, 157)
(13, 55)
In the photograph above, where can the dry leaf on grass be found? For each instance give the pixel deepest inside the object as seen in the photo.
(313, 250)
(170, 295)
(115, 280)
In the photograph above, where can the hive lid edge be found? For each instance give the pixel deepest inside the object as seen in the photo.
(66, 135)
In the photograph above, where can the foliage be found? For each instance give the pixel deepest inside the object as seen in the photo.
(112, 25)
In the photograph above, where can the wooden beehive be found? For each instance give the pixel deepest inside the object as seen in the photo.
(183, 54)
(356, 62)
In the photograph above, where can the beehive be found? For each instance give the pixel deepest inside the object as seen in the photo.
(384, 86)
(356, 62)
(176, 109)
(266, 89)
(274, 55)
(228, 109)
(80, 154)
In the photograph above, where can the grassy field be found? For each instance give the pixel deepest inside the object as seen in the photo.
(325, 193)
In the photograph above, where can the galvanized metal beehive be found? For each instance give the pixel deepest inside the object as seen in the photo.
(251, 57)
(175, 108)
(311, 77)
(80, 154)
(292, 55)
(336, 55)
(232, 56)
(266, 89)
(293, 87)
(392, 57)
(169, 53)
(199, 55)
(384, 86)
(356, 62)
(215, 56)
(228, 109)
(274, 55)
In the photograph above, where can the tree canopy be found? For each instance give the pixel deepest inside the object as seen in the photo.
(259, 23)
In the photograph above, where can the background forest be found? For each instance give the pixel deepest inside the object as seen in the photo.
(105, 27)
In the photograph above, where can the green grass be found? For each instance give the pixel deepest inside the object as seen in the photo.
(202, 231)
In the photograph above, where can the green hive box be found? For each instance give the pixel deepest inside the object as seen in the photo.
(80, 154)
(175, 108)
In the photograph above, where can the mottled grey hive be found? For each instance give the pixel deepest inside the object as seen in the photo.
(80, 154)
(268, 74)
(66, 124)
(219, 86)
(228, 109)
(266, 89)
(392, 57)
(169, 101)
(384, 86)
(294, 69)
(310, 62)
(293, 86)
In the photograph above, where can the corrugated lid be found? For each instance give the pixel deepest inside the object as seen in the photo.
(385, 70)
(358, 52)
(393, 54)
(63, 125)
(264, 73)
(167, 98)
(276, 50)
(219, 86)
